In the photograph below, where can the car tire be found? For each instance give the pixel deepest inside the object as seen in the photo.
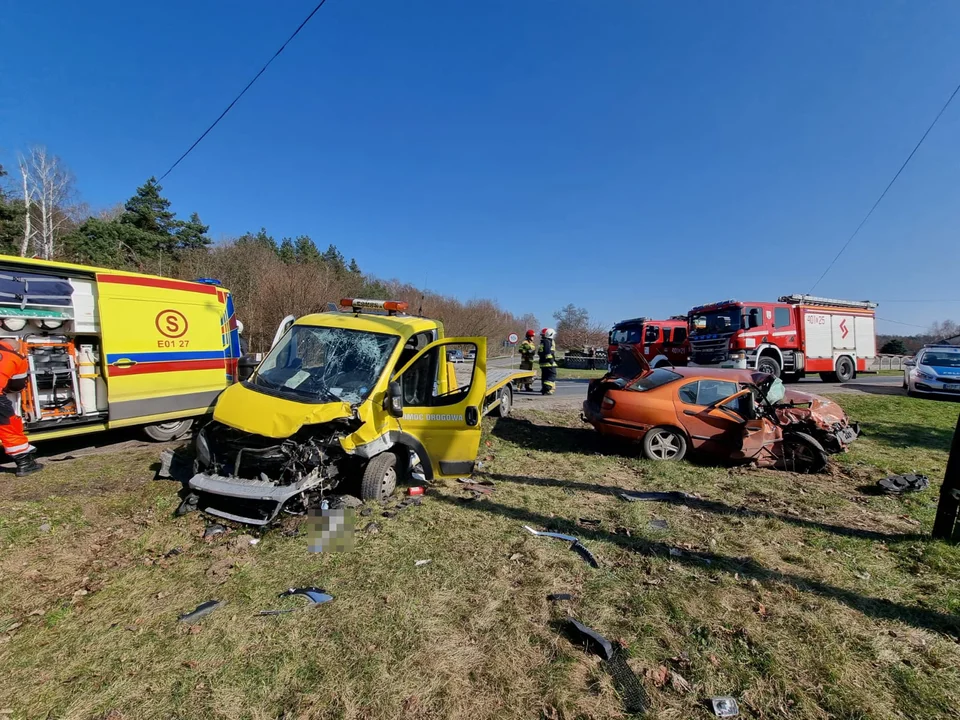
(165, 432)
(768, 364)
(506, 402)
(803, 454)
(379, 477)
(845, 370)
(830, 377)
(663, 443)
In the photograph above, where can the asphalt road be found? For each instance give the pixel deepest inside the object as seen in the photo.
(869, 384)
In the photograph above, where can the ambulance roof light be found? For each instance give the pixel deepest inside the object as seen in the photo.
(359, 305)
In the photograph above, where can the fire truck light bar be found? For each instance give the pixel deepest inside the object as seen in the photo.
(813, 300)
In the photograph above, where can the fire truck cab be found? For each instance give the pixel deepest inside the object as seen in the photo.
(662, 342)
(797, 335)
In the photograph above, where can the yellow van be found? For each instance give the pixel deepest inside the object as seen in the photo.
(110, 349)
(364, 393)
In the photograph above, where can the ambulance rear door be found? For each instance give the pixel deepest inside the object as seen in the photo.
(164, 350)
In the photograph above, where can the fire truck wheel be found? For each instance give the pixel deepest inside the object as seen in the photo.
(768, 364)
(379, 477)
(165, 432)
(845, 369)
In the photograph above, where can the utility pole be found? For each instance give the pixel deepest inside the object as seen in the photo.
(945, 525)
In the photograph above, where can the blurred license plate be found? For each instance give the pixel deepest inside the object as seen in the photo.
(951, 386)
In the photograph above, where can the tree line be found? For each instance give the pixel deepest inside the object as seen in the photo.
(41, 216)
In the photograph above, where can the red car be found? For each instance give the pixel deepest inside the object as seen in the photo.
(740, 415)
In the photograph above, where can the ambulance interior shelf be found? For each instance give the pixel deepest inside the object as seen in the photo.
(37, 318)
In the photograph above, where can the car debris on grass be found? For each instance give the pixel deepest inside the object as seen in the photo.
(576, 545)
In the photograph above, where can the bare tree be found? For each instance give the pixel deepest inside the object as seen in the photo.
(48, 187)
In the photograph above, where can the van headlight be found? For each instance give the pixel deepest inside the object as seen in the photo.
(203, 449)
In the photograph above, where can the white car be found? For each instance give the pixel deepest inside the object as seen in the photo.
(935, 371)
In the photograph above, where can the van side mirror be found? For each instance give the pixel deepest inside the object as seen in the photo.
(393, 402)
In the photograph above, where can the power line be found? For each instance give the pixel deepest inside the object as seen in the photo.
(889, 185)
(897, 322)
(242, 92)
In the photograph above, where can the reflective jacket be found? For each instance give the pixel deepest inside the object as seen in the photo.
(527, 350)
(14, 369)
(546, 352)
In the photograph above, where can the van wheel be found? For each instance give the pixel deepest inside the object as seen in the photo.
(165, 432)
(506, 402)
(769, 365)
(664, 444)
(379, 477)
(845, 369)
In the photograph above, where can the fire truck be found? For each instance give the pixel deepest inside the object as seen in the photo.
(797, 335)
(662, 342)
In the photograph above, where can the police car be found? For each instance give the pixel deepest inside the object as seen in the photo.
(936, 370)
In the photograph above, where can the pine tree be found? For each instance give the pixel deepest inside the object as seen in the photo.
(354, 269)
(149, 211)
(192, 234)
(334, 260)
(287, 252)
(306, 251)
(261, 238)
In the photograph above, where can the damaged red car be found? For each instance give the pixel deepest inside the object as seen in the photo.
(736, 415)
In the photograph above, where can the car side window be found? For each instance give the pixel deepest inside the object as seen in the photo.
(688, 393)
(679, 334)
(711, 391)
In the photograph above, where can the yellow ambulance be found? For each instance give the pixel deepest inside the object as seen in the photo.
(110, 349)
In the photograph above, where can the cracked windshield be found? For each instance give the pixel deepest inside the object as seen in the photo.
(325, 364)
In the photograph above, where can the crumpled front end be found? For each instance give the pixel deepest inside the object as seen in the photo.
(250, 478)
(822, 419)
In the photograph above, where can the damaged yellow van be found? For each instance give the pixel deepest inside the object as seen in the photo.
(362, 393)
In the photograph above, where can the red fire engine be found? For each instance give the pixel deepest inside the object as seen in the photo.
(662, 342)
(800, 334)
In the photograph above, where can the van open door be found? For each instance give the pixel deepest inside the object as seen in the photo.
(445, 417)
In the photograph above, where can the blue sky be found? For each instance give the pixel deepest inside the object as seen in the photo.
(630, 157)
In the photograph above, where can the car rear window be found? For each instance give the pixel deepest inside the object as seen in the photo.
(660, 376)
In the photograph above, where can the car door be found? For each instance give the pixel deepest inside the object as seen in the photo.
(709, 429)
(442, 416)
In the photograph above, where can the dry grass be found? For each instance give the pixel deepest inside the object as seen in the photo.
(802, 596)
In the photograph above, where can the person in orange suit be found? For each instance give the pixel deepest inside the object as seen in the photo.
(14, 370)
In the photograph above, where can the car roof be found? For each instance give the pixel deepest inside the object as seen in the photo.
(728, 374)
(404, 325)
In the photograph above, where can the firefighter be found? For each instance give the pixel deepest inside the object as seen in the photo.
(548, 362)
(13, 379)
(528, 351)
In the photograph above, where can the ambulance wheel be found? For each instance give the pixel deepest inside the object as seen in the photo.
(379, 477)
(506, 402)
(165, 432)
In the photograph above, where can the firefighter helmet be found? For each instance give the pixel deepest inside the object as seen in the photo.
(530, 333)
(549, 333)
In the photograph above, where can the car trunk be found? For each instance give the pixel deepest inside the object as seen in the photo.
(627, 365)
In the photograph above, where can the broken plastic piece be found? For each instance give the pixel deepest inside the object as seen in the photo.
(658, 524)
(188, 505)
(558, 536)
(559, 597)
(317, 596)
(600, 644)
(581, 549)
(896, 484)
(724, 706)
(416, 490)
(657, 496)
(213, 530)
(421, 563)
(201, 610)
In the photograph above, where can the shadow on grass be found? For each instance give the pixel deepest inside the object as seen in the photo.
(552, 438)
(717, 508)
(899, 435)
(878, 608)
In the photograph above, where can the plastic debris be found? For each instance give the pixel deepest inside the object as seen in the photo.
(346, 501)
(576, 545)
(672, 496)
(46, 527)
(172, 552)
(628, 684)
(559, 597)
(315, 595)
(658, 524)
(254, 541)
(724, 706)
(201, 610)
(414, 491)
(187, 505)
(213, 530)
(897, 484)
(421, 563)
(601, 645)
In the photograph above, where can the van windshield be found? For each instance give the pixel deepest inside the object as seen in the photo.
(717, 321)
(320, 364)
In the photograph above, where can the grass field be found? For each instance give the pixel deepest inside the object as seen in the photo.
(802, 596)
